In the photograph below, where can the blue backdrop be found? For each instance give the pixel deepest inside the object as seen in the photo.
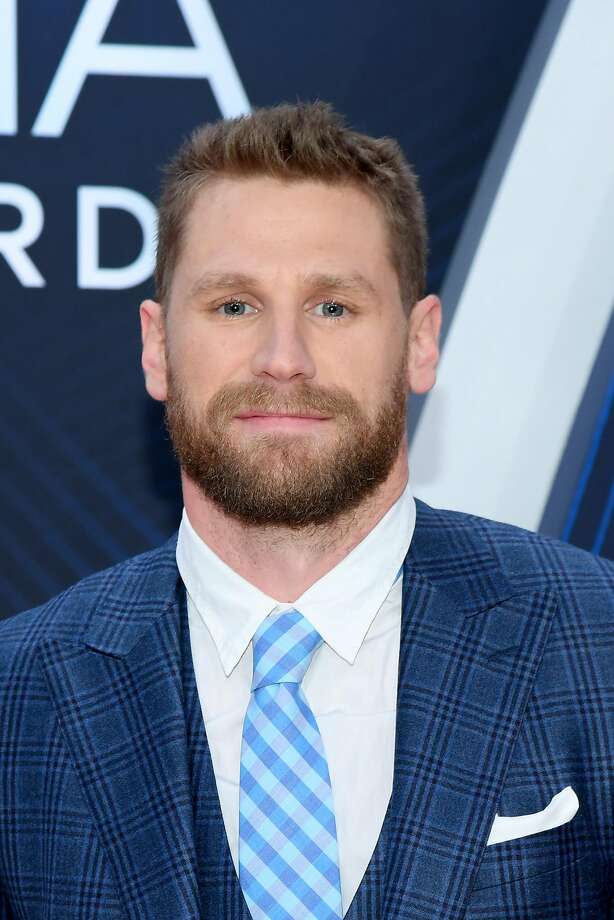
(88, 476)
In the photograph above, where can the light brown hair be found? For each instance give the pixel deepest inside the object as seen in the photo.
(308, 140)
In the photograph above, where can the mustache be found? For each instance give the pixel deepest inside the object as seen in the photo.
(232, 399)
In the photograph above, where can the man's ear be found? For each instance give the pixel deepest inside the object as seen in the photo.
(153, 359)
(423, 343)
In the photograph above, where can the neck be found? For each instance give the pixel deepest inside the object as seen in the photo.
(282, 562)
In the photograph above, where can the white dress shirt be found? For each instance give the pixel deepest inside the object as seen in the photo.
(351, 682)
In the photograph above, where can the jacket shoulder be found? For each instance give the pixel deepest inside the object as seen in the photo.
(530, 560)
(63, 615)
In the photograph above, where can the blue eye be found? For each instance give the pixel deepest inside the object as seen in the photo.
(236, 307)
(328, 304)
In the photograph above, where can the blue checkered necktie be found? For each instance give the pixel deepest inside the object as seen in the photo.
(288, 861)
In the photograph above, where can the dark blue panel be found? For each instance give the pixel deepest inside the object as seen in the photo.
(88, 477)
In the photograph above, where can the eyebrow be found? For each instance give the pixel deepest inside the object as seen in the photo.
(215, 281)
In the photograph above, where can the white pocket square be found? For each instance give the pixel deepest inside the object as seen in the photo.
(560, 810)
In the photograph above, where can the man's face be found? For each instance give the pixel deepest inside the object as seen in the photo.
(284, 306)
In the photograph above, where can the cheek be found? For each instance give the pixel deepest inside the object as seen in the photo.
(202, 360)
(357, 377)
(387, 372)
(370, 363)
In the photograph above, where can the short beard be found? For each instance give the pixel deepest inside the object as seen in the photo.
(282, 479)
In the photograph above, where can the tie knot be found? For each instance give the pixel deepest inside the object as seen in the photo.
(283, 646)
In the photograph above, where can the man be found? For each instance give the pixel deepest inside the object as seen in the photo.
(321, 697)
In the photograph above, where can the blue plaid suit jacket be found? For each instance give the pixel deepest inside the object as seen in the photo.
(506, 695)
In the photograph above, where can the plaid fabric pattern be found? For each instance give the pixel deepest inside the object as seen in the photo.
(506, 696)
(289, 865)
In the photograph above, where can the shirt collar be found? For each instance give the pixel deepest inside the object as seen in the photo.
(341, 604)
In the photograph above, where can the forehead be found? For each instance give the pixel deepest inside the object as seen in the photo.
(261, 222)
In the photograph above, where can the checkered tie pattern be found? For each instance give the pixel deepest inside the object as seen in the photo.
(288, 859)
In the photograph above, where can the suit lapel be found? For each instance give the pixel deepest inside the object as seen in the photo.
(116, 689)
(470, 648)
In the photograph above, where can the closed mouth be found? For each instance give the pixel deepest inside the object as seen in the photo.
(279, 415)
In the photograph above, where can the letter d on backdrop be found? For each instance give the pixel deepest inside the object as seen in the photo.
(90, 274)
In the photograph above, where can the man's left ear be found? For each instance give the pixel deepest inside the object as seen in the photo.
(423, 343)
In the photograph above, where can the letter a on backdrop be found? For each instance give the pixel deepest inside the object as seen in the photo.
(87, 54)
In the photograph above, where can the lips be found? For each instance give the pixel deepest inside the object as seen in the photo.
(279, 415)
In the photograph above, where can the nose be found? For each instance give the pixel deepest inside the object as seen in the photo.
(282, 351)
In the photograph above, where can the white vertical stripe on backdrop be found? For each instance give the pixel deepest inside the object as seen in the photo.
(537, 297)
